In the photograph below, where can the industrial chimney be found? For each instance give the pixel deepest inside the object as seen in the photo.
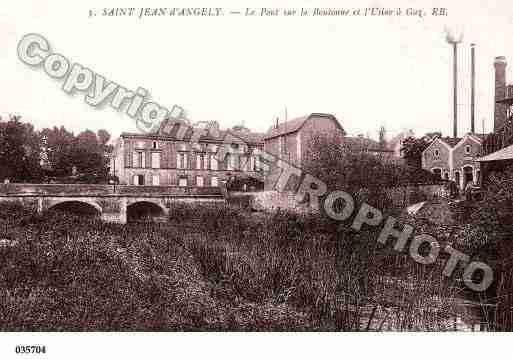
(499, 117)
(454, 39)
(473, 88)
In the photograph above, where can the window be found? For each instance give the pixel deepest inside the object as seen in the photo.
(200, 158)
(155, 180)
(467, 149)
(436, 154)
(229, 162)
(155, 145)
(182, 181)
(252, 164)
(199, 181)
(213, 162)
(214, 182)
(155, 160)
(244, 163)
(437, 171)
(139, 160)
(139, 180)
(257, 163)
(181, 160)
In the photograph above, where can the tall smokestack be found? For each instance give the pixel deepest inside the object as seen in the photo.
(454, 39)
(473, 88)
(499, 117)
(455, 85)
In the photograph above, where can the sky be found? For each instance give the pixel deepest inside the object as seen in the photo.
(367, 71)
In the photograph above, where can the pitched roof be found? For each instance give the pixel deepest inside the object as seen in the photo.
(480, 136)
(249, 136)
(451, 141)
(295, 124)
(286, 127)
(505, 154)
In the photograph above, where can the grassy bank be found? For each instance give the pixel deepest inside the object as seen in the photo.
(210, 268)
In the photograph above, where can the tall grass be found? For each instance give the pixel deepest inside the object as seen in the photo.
(211, 267)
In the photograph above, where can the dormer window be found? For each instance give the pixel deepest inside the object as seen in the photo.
(436, 154)
(467, 149)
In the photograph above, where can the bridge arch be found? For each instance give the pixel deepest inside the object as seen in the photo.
(145, 209)
(77, 206)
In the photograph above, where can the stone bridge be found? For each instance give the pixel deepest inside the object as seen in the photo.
(112, 203)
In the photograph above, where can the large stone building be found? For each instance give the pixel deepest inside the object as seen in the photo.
(169, 157)
(454, 158)
(289, 140)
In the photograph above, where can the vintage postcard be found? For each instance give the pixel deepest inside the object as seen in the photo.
(176, 176)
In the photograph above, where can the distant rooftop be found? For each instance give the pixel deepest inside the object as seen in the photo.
(361, 143)
(245, 134)
(294, 125)
(505, 154)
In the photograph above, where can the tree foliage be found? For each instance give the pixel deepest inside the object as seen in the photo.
(412, 150)
(86, 152)
(353, 171)
(19, 151)
(27, 155)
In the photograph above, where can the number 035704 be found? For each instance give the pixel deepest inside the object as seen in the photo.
(30, 349)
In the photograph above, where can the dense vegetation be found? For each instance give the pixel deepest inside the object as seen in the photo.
(30, 155)
(211, 268)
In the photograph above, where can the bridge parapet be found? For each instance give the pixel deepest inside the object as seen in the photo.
(20, 189)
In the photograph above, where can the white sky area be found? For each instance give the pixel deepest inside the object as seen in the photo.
(367, 71)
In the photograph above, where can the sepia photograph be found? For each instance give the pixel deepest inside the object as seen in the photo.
(287, 176)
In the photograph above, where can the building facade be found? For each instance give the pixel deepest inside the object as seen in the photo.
(454, 159)
(171, 158)
(289, 140)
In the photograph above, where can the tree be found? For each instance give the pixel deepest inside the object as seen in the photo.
(59, 149)
(20, 149)
(412, 149)
(87, 152)
(340, 168)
